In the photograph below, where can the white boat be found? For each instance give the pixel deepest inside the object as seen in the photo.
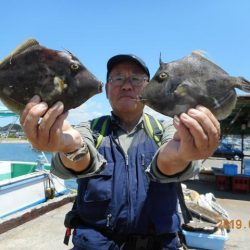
(26, 184)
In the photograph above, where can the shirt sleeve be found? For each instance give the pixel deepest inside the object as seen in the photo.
(97, 160)
(153, 171)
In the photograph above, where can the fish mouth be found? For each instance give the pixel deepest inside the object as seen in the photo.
(139, 98)
(100, 87)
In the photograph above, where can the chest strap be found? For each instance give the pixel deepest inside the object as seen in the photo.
(100, 127)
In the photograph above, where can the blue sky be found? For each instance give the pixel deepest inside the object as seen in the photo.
(96, 30)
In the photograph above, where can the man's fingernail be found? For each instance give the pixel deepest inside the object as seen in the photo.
(193, 111)
(176, 120)
(35, 98)
(184, 116)
(44, 105)
(59, 105)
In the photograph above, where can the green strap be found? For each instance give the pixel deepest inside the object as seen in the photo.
(103, 128)
(151, 130)
(101, 124)
(93, 124)
(102, 133)
(159, 125)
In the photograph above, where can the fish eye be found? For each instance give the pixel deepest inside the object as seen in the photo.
(74, 67)
(163, 75)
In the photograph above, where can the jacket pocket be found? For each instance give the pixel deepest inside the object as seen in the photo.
(95, 197)
(99, 186)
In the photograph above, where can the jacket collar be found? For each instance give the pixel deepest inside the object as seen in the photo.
(116, 121)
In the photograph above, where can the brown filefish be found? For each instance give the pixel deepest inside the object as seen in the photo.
(193, 80)
(53, 75)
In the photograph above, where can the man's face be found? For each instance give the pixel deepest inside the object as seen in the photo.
(121, 89)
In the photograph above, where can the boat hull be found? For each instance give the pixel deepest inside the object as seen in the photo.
(27, 190)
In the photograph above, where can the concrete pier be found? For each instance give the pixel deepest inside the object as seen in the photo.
(46, 230)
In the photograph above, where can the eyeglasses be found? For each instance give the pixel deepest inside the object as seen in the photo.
(135, 80)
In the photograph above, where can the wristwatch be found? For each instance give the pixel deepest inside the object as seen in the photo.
(79, 153)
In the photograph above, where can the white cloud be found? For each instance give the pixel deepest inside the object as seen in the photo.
(155, 114)
(92, 109)
(2, 106)
(89, 110)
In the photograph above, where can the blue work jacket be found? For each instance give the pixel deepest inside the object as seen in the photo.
(121, 199)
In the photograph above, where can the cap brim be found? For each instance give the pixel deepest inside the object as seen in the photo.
(120, 58)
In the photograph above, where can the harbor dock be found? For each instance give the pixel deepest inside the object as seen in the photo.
(46, 231)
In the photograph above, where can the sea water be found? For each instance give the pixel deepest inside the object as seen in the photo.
(20, 152)
(25, 152)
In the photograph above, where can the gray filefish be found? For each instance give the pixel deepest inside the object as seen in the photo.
(53, 75)
(193, 80)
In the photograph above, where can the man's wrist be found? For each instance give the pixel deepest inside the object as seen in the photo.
(170, 164)
(77, 154)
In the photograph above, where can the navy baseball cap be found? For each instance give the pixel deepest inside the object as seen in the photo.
(126, 57)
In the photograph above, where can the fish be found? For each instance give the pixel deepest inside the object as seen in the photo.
(32, 69)
(192, 80)
(204, 213)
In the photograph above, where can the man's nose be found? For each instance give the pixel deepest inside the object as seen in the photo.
(127, 84)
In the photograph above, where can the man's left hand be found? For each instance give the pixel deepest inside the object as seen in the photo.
(197, 137)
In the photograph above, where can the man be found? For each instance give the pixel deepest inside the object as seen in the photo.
(126, 189)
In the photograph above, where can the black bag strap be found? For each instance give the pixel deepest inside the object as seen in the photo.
(187, 217)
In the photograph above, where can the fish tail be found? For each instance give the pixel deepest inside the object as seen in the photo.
(243, 84)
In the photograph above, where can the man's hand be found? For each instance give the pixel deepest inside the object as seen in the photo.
(47, 129)
(197, 137)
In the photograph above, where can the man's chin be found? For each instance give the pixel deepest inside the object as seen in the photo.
(130, 106)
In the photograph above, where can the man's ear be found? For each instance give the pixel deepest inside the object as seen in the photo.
(107, 89)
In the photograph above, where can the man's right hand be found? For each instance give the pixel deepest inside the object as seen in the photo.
(47, 129)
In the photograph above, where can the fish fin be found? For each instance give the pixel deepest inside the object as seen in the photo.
(12, 104)
(68, 52)
(160, 61)
(202, 53)
(224, 106)
(28, 43)
(243, 84)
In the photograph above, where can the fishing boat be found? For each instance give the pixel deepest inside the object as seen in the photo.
(26, 184)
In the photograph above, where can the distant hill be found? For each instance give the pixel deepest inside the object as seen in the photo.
(11, 126)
